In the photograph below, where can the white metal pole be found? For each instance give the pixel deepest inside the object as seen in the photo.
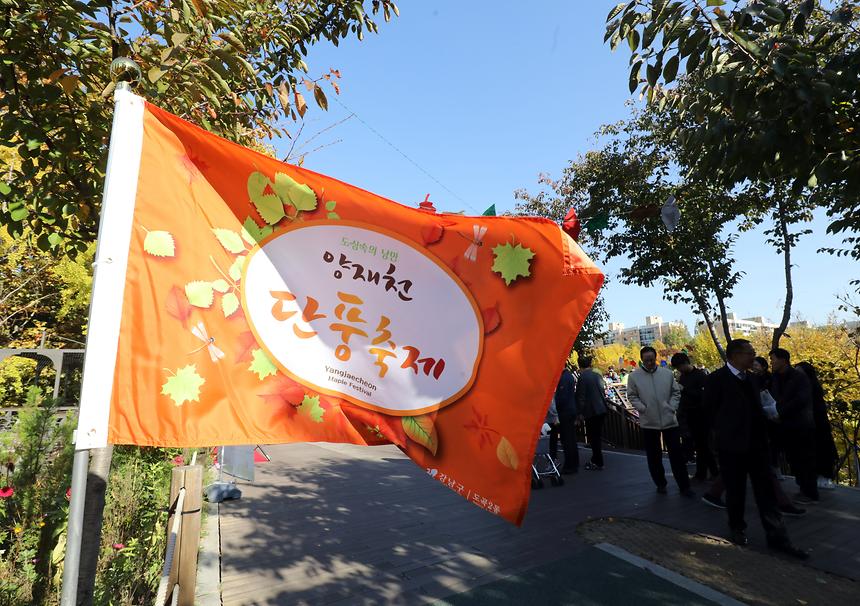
(109, 269)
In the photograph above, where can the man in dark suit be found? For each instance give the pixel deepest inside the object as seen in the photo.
(740, 433)
(792, 391)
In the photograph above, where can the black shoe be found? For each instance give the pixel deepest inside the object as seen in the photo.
(713, 501)
(662, 490)
(688, 493)
(789, 550)
(791, 510)
(593, 467)
(739, 537)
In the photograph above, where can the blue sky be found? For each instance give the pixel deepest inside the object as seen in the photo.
(485, 96)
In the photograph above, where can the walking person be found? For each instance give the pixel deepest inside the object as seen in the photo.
(565, 404)
(793, 394)
(826, 455)
(733, 397)
(653, 391)
(591, 406)
(692, 381)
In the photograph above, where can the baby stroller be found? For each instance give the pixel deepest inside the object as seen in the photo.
(543, 466)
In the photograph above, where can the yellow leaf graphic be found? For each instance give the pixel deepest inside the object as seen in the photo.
(506, 453)
(421, 430)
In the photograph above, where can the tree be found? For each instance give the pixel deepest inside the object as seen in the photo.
(677, 337)
(39, 293)
(775, 92)
(236, 67)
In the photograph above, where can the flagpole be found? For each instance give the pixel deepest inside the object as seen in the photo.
(109, 269)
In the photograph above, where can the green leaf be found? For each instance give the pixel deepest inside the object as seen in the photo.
(634, 76)
(292, 192)
(812, 181)
(184, 386)
(252, 233)
(716, 2)
(229, 304)
(310, 407)
(262, 366)
(154, 74)
(235, 270)
(159, 244)
(333, 216)
(262, 194)
(671, 69)
(330, 205)
(5, 189)
(220, 285)
(652, 73)
(230, 240)
(421, 430)
(773, 14)
(615, 11)
(512, 261)
(200, 294)
(633, 39)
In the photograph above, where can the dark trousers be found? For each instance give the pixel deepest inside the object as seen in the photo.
(568, 442)
(672, 439)
(799, 447)
(554, 434)
(700, 430)
(594, 432)
(734, 469)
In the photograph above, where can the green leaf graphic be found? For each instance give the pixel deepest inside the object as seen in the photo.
(252, 233)
(235, 270)
(220, 285)
(199, 294)
(310, 407)
(262, 365)
(512, 261)
(333, 216)
(330, 205)
(184, 386)
(230, 240)
(269, 205)
(229, 304)
(159, 244)
(421, 429)
(292, 192)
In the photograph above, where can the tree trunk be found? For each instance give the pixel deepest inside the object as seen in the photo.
(789, 289)
(703, 309)
(721, 303)
(92, 528)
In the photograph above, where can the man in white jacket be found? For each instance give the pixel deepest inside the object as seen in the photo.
(653, 391)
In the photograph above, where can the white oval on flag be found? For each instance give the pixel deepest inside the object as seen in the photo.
(359, 312)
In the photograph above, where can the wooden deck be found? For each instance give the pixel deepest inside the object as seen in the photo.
(339, 524)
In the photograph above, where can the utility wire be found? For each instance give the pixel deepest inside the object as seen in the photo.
(410, 160)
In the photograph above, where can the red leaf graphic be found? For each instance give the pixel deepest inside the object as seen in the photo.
(247, 342)
(283, 391)
(177, 304)
(492, 318)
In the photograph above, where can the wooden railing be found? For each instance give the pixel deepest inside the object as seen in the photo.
(179, 574)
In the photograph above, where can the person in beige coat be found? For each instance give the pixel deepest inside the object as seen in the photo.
(653, 391)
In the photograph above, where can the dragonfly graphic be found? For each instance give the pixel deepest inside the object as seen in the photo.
(199, 331)
(478, 240)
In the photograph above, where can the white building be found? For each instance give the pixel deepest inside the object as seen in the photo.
(654, 329)
(739, 327)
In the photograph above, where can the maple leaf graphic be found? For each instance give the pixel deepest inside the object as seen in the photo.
(512, 261)
(310, 406)
(184, 386)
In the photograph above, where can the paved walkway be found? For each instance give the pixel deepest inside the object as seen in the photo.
(339, 524)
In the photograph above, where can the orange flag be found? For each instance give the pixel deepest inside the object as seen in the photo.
(264, 303)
